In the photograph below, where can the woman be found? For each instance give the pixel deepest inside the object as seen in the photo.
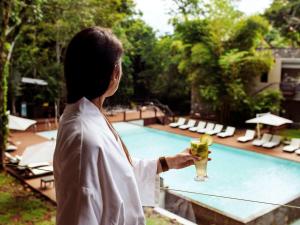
(97, 182)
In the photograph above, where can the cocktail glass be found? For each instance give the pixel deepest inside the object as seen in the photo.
(201, 150)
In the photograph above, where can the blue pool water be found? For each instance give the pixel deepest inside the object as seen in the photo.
(51, 134)
(232, 172)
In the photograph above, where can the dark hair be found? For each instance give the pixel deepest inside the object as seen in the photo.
(90, 59)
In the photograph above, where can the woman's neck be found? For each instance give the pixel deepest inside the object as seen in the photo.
(99, 102)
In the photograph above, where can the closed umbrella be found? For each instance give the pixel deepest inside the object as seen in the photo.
(18, 123)
(269, 119)
(38, 153)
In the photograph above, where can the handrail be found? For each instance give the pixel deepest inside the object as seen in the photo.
(263, 88)
(156, 103)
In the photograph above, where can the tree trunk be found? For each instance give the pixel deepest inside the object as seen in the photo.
(3, 105)
(4, 13)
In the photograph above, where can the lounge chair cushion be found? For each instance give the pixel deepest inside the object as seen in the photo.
(227, 133)
(249, 135)
(191, 123)
(201, 125)
(293, 146)
(274, 142)
(180, 122)
(265, 138)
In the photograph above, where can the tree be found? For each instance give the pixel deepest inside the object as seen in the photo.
(223, 63)
(285, 15)
(140, 42)
(39, 31)
(171, 87)
(14, 14)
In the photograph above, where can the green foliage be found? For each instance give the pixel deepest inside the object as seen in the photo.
(171, 86)
(39, 51)
(249, 33)
(153, 218)
(267, 101)
(290, 133)
(284, 15)
(223, 64)
(20, 206)
(276, 40)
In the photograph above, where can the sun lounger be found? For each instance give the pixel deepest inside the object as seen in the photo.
(293, 146)
(200, 125)
(180, 122)
(217, 129)
(12, 159)
(190, 124)
(208, 127)
(41, 170)
(265, 138)
(10, 148)
(249, 135)
(227, 133)
(274, 142)
(298, 152)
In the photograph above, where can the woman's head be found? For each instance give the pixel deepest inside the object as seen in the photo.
(92, 64)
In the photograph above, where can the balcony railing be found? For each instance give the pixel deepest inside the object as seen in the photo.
(289, 89)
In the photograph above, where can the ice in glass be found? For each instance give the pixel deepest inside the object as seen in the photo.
(199, 147)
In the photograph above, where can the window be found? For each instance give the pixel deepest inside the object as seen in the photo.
(264, 78)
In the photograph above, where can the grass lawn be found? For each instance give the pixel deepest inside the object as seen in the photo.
(20, 206)
(291, 133)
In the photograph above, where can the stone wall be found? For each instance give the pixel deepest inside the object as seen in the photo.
(182, 206)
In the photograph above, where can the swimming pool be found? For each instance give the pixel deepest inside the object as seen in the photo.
(232, 172)
(50, 134)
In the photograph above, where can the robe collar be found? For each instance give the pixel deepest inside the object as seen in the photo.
(83, 106)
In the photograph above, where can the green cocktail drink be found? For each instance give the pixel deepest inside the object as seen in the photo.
(200, 148)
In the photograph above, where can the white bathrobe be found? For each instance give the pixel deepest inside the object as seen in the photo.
(95, 184)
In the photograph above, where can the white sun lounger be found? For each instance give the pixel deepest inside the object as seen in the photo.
(274, 142)
(200, 125)
(12, 159)
(41, 170)
(265, 138)
(10, 148)
(227, 133)
(217, 129)
(249, 135)
(298, 152)
(190, 124)
(209, 126)
(293, 146)
(180, 122)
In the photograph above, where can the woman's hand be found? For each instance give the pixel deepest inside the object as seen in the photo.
(180, 160)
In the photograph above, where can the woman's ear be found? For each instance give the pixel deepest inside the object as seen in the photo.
(117, 73)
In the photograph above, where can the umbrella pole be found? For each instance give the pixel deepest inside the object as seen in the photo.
(258, 130)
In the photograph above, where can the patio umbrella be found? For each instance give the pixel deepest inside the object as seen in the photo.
(38, 153)
(18, 123)
(268, 119)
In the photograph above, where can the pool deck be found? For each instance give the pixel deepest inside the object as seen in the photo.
(232, 141)
(28, 138)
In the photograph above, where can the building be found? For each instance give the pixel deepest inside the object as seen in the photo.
(285, 76)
